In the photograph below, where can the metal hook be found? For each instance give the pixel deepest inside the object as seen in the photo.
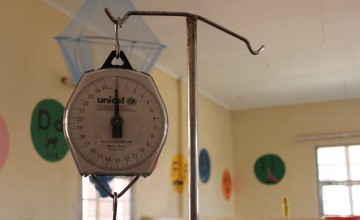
(111, 17)
(117, 45)
(118, 23)
(115, 195)
(115, 205)
(98, 182)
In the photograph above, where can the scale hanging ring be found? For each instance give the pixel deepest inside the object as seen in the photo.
(117, 45)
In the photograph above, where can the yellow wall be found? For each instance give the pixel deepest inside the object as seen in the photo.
(154, 195)
(215, 135)
(31, 66)
(32, 188)
(274, 130)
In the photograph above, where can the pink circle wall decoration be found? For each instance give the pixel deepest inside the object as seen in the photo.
(4, 142)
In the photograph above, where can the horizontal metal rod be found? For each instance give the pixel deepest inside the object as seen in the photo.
(188, 15)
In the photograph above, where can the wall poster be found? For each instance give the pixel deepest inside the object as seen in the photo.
(204, 166)
(4, 142)
(179, 173)
(227, 184)
(269, 169)
(47, 130)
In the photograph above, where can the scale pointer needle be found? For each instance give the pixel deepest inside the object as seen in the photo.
(117, 121)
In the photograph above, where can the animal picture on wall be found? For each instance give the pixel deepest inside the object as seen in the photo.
(269, 169)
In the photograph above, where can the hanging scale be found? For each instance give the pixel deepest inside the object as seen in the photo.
(115, 122)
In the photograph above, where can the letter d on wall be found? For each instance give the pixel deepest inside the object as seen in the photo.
(46, 130)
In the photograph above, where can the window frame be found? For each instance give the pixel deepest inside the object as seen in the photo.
(349, 183)
(126, 202)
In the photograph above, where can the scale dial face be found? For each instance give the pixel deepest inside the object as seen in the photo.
(115, 123)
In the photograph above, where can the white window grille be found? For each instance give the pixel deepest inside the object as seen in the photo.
(339, 180)
(95, 207)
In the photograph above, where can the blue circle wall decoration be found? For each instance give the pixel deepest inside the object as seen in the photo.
(204, 166)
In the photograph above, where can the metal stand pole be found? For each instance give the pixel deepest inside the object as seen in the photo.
(191, 25)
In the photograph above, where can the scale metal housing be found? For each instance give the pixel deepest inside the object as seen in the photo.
(88, 122)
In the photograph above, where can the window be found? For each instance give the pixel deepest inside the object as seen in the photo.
(339, 180)
(95, 207)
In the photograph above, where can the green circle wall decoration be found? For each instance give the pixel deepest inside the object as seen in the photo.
(269, 169)
(47, 130)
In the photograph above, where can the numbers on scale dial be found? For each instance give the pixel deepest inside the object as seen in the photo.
(90, 121)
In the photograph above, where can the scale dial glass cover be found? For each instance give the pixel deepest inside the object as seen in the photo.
(133, 144)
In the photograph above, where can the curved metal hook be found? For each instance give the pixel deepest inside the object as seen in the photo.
(117, 45)
(115, 205)
(98, 182)
(184, 14)
(246, 41)
(111, 17)
(118, 23)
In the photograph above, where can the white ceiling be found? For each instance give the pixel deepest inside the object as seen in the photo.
(312, 49)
